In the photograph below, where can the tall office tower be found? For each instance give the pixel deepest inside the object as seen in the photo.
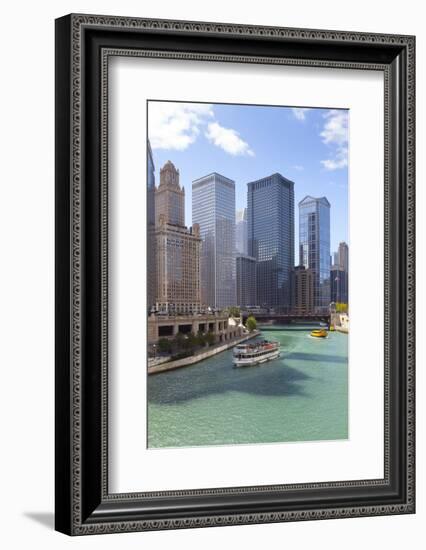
(339, 284)
(177, 248)
(270, 219)
(241, 245)
(314, 246)
(151, 257)
(246, 281)
(343, 256)
(303, 290)
(213, 209)
(334, 259)
(170, 197)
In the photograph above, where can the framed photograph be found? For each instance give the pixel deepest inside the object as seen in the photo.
(234, 274)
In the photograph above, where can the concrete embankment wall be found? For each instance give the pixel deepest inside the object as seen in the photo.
(184, 362)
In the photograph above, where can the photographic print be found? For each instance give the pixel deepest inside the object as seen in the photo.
(204, 307)
(248, 262)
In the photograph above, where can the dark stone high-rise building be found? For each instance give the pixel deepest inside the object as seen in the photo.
(151, 254)
(246, 281)
(314, 246)
(339, 275)
(343, 256)
(303, 290)
(270, 219)
(339, 284)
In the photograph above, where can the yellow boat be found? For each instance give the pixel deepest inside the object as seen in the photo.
(319, 333)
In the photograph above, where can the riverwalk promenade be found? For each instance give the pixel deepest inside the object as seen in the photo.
(200, 355)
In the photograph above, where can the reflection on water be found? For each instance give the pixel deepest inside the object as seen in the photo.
(302, 396)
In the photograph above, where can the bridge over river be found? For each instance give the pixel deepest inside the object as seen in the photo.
(288, 318)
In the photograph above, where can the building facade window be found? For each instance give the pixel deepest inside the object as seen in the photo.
(314, 246)
(213, 209)
(177, 267)
(270, 224)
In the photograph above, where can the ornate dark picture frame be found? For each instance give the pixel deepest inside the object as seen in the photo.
(84, 44)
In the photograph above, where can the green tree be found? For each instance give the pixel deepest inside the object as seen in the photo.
(234, 311)
(192, 341)
(179, 341)
(201, 339)
(210, 338)
(164, 345)
(251, 323)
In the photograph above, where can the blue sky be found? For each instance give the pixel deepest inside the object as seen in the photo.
(246, 142)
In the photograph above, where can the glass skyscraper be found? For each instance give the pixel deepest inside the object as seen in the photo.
(241, 245)
(213, 209)
(314, 246)
(270, 219)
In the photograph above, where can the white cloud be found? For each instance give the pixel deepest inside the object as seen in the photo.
(339, 161)
(336, 127)
(300, 113)
(176, 125)
(227, 139)
(298, 167)
(335, 134)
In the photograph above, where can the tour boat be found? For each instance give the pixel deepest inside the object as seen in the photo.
(319, 333)
(246, 355)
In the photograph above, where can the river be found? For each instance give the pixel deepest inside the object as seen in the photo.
(302, 396)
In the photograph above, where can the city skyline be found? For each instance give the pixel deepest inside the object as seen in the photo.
(307, 146)
(267, 274)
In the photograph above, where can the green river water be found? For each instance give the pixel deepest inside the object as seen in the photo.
(302, 396)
